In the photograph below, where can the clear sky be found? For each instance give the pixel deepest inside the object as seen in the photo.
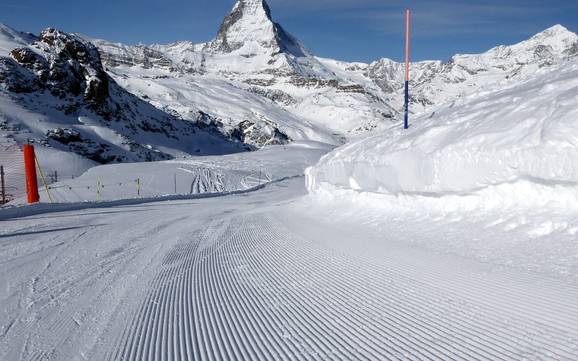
(353, 30)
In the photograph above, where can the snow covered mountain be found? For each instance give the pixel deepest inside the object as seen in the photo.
(10, 39)
(434, 82)
(54, 91)
(249, 32)
(303, 96)
(254, 84)
(265, 78)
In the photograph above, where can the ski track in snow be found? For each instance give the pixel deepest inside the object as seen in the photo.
(250, 289)
(242, 283)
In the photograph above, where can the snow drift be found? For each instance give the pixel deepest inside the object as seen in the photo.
(515, 145)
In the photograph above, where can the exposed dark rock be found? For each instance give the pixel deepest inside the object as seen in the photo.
(313, 82)
(68, 67)
(275, 95)
(573, 50)
(251, 133)
(351, 88)
(17, 79)
(25, 56)
(64, 135)
(261, 82)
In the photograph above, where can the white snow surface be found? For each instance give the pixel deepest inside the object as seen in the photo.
(11, 39)
(515, 145)
(269, 275)
(183, 176)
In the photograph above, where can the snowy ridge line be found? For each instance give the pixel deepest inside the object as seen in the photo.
(253, 290)
(11, 212)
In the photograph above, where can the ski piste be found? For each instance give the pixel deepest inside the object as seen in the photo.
(341, 235)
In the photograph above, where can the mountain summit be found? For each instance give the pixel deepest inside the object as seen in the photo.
(249, 29)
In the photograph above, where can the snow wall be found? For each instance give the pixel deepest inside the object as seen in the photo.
(516, 146)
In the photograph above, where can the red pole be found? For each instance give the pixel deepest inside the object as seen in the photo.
(407, 48)
(30, 167)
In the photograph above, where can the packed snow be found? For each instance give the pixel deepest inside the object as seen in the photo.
(492, 177)
(511, 146)
(186, 176)
(269, 275)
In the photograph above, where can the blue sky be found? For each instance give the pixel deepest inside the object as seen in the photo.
(353, 30)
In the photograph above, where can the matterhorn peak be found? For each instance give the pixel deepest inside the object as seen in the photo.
(249, 29)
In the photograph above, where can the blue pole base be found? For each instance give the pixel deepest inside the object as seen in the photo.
(406, 116)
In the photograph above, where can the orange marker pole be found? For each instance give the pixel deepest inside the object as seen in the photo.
(407, 51)
(30, 168)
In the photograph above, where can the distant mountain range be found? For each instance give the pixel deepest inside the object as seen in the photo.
(254, 84)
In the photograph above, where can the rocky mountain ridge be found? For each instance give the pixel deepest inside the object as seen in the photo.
(55, 92)
(435, 82)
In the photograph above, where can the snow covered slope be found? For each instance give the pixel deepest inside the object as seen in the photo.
(11, 39)
(186, 176)
(259, 276)
(516, 145)
(249, 116)
(55, 92)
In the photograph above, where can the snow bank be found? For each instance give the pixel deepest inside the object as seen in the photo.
(512, 146)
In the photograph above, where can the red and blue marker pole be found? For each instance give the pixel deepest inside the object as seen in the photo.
(407, 25)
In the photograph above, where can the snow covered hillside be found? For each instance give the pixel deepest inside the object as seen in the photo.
(492, 177)
(55, 92)
(515, 145)
(187, 176)
(253, 85)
